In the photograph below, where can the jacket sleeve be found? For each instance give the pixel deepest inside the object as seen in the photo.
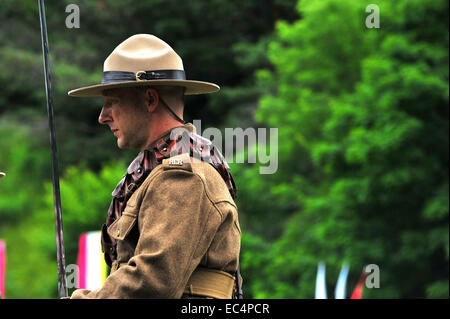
(176, 223)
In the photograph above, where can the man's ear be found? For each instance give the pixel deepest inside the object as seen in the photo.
(151, 99)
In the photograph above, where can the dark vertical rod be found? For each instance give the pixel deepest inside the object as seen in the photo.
(62, 282)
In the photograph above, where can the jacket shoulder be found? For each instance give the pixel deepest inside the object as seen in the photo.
(213, 182)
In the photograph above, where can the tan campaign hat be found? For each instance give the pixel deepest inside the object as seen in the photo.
(144, 59)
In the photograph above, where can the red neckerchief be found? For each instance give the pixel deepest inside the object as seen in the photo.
(170, 144)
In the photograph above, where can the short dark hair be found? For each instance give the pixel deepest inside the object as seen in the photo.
(164, 90)
(168, 90)
(137, 93)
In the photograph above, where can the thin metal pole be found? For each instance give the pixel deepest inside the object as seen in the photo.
(62, 282)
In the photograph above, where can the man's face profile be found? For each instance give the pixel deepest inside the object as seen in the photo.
(123, 111)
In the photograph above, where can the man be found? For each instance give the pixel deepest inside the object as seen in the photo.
(172, 228)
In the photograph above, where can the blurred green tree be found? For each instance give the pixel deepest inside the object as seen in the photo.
(85, 198)
(85, 201)
(25, 162)
(363, 141)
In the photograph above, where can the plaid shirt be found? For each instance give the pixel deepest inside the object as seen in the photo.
(179, 140)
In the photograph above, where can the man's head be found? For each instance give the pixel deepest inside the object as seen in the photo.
(138, 115)
(143, 84)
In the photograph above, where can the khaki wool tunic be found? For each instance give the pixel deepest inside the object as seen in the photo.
(181, 217)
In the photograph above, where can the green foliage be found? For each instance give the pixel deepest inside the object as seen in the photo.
(24, 161)
(31, 269)
(87, 196)
(364, 112)
(85, 201)
(26, 164)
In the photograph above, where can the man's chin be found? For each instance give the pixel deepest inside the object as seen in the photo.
(122, 145)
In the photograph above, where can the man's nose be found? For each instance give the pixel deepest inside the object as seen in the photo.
(105, 115)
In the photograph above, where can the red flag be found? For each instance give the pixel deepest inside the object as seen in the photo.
(358, 292)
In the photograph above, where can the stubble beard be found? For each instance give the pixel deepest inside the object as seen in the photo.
(135, 137)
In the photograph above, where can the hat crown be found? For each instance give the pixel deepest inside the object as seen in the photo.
(144, 59)
(143, 52)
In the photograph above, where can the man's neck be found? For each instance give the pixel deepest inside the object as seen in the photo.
(158, 131)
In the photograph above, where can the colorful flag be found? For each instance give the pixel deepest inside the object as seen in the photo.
(2, 268)
(91, 264)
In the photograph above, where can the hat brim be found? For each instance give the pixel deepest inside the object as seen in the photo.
(192, 87)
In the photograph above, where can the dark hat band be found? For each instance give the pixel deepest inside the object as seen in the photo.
(123, 76)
